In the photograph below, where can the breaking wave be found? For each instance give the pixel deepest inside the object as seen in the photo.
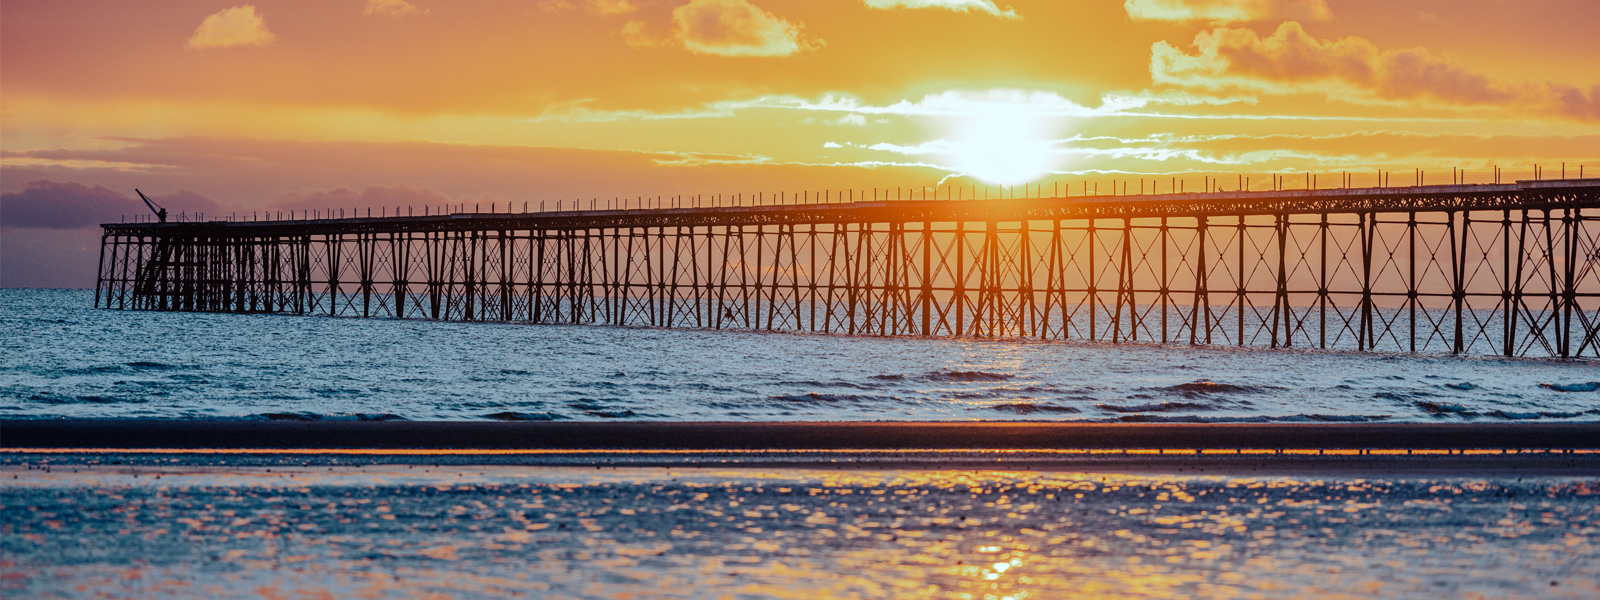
(1156, 407)
(311, 416)
(1028, 408)
(1205, 387)
(814, 397)
(1528, 416)
(143, 364)
(523, 416)
(964, 376)
(1254, 419)
(1587, 386)
(833, 384)
(1442, 409)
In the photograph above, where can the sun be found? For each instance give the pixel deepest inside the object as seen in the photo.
(1003, 141)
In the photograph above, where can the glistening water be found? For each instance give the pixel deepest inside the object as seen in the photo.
(63, 358)
(414, 531)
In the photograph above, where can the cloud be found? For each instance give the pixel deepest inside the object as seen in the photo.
(736, 28)
(1574, 102)
(612, 7)
(1224, 11)
(852, 120)
(854, 110)
(714, 27)
(968, 103)
(393, 8)
(674, 158)
(555, 6)
(634, 34)
(954, 103)
(600, 7)
(985, 6)
(237, 26)
(1124, 101)
(53, 204)
(1291, 60)
(373, 195)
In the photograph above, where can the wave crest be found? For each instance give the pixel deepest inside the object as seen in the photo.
(1587, 386)
(1155, 407)
(1028, 408)
(966, 376)
(1205, 387)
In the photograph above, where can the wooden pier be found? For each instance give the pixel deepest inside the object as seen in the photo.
(1505, 269)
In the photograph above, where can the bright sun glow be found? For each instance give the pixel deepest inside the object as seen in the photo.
(1004, 141)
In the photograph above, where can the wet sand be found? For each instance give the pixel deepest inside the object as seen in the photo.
(417, 531)
(200, 509)
(1253, 449)
(118, 433)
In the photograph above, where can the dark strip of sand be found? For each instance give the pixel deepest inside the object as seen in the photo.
(463, 435)
(157, 462)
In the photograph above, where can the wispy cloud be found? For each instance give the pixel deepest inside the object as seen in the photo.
(672, 158)
(737, 28)
(393, 8)
(1577, 103)
(853, 110)
(578, 111)
(957, 103)
(1226, 11)
(849, 120)
(400, 194)
(599, 7)
(983, 6)
(1351, 69)
(733, 28)
(612, 7)
(233, 27)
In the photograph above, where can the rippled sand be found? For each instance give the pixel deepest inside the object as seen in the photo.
(416, 531)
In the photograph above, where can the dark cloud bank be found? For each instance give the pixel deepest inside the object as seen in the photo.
(70, 205)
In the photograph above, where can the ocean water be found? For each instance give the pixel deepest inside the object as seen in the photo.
(78, 530)
(59, 357)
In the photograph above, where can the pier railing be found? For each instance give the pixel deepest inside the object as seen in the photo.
(1509, 269)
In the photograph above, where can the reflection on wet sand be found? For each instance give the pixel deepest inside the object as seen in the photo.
(403, 531)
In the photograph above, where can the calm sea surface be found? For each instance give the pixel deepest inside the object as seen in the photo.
(61, 358)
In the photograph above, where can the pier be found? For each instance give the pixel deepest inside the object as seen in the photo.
(1498, 269)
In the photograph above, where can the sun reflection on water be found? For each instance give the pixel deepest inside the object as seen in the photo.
(417, 531)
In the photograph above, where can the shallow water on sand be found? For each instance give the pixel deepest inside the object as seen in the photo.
(397, 531)
(62, 358)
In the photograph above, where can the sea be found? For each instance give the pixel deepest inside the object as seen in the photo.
(63, 358)
(142, 524)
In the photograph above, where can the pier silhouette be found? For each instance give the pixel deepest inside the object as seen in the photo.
(1507, 269)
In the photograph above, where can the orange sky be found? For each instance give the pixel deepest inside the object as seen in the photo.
(221, 106)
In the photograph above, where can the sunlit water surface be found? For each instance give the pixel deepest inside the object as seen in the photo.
(395, 531)
(61, 358)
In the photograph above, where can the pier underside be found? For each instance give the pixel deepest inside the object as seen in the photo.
(1511, 270)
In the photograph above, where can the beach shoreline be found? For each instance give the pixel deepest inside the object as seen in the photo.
(643, 435)
(1233, 449)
